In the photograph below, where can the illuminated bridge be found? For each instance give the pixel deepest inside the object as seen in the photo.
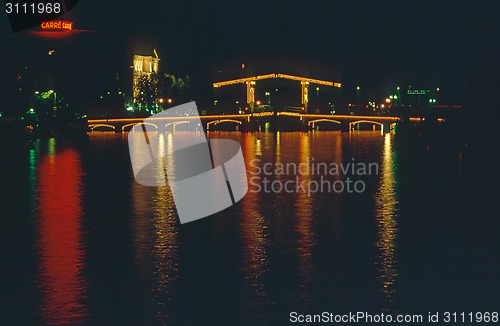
(251, 82)
(263, 121)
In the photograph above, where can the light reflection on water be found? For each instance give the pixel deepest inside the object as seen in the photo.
(166, 243)
(254, 229)
(303, 227)
(60, 243)
(270, 229)
(156, 235)
(387, 226)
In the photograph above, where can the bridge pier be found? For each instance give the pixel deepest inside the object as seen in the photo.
(345, 126)
(386, 127)
(247, 126)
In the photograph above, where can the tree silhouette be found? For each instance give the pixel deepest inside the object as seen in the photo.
(177, 88)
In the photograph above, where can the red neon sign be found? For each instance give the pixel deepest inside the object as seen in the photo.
(57, 25)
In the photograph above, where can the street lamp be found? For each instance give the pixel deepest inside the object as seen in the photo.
(55, 98)
(357, 97)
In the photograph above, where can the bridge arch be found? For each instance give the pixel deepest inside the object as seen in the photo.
(351, 124)
(175, 123)
(92, 127)
(138, 123)
(312, 122)
(216, 122)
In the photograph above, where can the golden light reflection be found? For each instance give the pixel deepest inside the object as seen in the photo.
(254, 235)
(166, 237)
(303, 227)
(280, 221)
(165, 251)
(336, 156)
(156, 235)
(278, 147)
(387, 226)
(258, 147)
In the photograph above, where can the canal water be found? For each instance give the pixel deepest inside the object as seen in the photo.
(82, 243)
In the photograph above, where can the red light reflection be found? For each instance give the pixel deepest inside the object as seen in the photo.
(61, 253)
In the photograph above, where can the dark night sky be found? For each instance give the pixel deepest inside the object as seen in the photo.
(375, 44)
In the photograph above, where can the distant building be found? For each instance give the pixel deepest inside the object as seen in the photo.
(143, 66)
(421, 98)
